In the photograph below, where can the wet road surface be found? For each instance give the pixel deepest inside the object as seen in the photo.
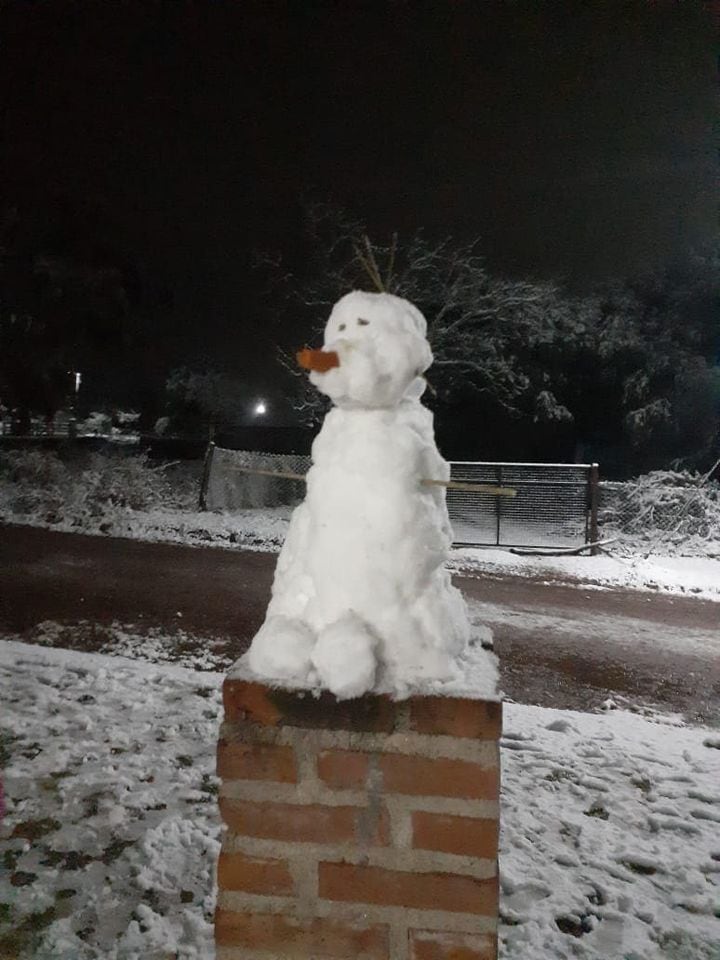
(559, 645)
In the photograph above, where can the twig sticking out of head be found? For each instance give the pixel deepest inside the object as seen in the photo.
(368, 262)
(391, 262)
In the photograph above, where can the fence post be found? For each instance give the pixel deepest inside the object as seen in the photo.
(498, 475)
(209, 453)
(594, 492)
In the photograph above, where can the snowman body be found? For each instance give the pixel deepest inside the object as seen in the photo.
(361, 596)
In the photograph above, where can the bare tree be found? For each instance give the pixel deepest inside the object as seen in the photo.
(481, 328)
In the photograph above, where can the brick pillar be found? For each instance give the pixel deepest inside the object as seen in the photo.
(363, 829)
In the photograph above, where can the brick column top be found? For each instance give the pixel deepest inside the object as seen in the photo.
(475, 679)
(249, 700)
(247, 697)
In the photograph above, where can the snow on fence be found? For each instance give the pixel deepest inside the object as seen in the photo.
(552, 505)
(227, 486)
(664, 511)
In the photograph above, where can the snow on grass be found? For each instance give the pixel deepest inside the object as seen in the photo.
(140, 642)
(111, 831)
(610, 841)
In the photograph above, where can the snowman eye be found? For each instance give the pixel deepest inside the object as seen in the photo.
(362, 323)
(341, 327)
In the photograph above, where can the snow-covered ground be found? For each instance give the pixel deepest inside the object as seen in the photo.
(689, 576)
(111, 829)
(610, 846)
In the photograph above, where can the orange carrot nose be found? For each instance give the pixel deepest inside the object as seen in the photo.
(319, 360)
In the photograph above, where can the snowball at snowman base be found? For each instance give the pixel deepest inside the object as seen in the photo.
(362, 599)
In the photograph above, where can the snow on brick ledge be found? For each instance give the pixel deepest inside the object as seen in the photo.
(363, 828)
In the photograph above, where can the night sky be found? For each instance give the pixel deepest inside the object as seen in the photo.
(574, 138)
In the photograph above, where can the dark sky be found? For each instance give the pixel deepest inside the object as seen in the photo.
(574, 138)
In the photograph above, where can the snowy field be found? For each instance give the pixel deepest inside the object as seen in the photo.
(610, 846)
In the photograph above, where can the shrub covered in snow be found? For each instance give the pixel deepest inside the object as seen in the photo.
(671, 511)
(126, 496)
(42, 487)
(33, 484)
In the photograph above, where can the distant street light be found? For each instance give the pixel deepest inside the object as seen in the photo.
(260, 408)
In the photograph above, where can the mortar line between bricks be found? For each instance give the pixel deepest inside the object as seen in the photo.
(306, 793)
(402, 716)
(306, 760)
(304, 871)
(440, 920)
(400, 823)
(408, 860)
(418, 745)
(399, 941)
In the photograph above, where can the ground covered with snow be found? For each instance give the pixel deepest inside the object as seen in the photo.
(610, 846)
(111, 829)
(688, 576)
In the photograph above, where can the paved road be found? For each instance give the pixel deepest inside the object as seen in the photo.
(559, 645)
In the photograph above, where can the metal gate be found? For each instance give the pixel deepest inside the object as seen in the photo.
(555, 505)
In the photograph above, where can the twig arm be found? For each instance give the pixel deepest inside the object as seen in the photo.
(486, 488)
(268, 473)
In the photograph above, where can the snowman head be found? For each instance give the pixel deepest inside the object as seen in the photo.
(382, 351)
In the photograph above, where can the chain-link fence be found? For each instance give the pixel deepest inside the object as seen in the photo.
(661, 512)
(550, 505)
(242, 479)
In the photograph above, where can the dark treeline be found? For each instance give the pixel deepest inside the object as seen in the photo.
(626, 373)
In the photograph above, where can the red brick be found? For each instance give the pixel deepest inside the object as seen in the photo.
(292, 937)
(478, 719)
(466, 836)
(455, 893)
(249, 701)
(343, 769)
(306, 823)
(256, 761)
(441, 945)
(269, 707)
(238, 871)
(422, 776)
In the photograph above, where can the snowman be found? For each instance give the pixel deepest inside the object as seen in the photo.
(361, 598)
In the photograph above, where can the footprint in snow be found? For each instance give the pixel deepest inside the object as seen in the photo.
(519, 745)
(702, 797)
(560, 726)
(705, 815)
